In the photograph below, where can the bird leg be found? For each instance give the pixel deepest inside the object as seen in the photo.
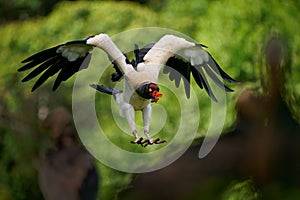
(147, 112)
(138, 140)
(127, 111)
(130, 116)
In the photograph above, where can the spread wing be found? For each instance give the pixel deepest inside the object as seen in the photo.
(183, 59)
(64, 59)
(69, 58)
(199, 64)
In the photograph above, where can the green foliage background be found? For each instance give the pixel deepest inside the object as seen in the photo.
(235, 32)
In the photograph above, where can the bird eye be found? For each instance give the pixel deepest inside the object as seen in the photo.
(150, 90)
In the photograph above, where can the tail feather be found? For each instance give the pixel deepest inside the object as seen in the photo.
(106, 90)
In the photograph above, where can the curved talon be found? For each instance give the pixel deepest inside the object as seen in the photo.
(137, 141)
(145, 141)
(155, 141)
(160, 142)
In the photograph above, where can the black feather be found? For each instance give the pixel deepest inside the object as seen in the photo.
(181, 68)
(206, 84)
(40, 69)
(118, 74)
(106, 90)
(143, 51)
(70, 68)
(38, 58)
(49, 62)
(215, 66)
(177, 70)
(42, 55)
(211, 74)
(48, 73)
(197, 77)
(139, 55)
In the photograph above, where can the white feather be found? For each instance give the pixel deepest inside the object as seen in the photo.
(74, 51)
(166, 47)
(104, 42)
(196, 55)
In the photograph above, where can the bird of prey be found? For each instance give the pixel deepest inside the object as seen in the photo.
(183, 58)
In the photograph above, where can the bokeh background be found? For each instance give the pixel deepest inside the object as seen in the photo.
(257, 157)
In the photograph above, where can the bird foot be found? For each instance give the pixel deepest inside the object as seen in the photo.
(152, 141)
(137, 141)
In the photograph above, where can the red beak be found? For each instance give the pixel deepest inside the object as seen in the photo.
(156, 95)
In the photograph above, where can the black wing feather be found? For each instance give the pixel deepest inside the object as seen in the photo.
(216, 67)
(38, 58)
(206, 84)
(181, 68)
(70, 68)
(211, 74)
(48, 73)
(197, 77)
(40, 69)
(139, 55)
(178, 69)
(41, 55)
(118, 74)
(143, 51)
(49, 62)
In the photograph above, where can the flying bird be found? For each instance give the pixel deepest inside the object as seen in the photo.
(179, 58)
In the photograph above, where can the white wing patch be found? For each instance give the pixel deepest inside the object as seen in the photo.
(195, 55)
(73, 51)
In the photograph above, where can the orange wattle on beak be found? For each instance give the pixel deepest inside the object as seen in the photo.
(156, 95)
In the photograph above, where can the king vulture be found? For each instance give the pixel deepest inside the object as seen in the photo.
(141, 74)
